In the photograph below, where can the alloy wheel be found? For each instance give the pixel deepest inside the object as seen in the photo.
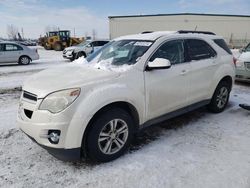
(222, 97)
(25, 60)
(113, 136)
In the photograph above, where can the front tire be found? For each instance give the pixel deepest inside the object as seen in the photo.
(24, 60)
(80, 54)
(220, 98)
(110, 135)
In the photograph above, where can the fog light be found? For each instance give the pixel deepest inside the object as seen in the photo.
(54, 136)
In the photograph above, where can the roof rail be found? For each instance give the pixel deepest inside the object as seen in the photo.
(198, 32)
(145, 32)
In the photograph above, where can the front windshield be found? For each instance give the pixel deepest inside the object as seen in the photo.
(122, 52)
(85, 43)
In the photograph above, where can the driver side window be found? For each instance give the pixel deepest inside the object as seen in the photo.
(171, 50)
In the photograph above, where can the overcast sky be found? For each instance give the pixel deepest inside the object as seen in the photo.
(85, 15)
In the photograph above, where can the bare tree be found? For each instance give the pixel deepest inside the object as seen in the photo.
(94, 34)
(12, 31)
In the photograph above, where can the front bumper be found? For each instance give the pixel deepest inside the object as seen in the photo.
(242, 75)
(60, 153)
(37, 125)
(64, 154)
(68, 55)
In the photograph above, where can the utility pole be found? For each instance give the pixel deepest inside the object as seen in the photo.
(22, 33)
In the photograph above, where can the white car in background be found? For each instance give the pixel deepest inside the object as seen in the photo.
(11, 52)
(83, 49)
(243, 65)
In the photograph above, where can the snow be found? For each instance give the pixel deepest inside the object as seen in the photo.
(195, 150)
(103, 65)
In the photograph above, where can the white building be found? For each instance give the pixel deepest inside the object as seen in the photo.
(234, 28)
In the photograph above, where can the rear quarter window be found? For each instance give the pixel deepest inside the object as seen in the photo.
(221, 43)
(198, 49)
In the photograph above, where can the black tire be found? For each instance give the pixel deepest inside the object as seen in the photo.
(96, 147)
(219, 100)
(80, 54)
(24, 60)
(73, 58)
(58, 46)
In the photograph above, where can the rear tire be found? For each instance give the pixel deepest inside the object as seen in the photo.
(110, 135)
(220, 98)
(24, 60)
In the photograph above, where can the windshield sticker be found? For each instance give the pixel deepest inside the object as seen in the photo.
(143, 43)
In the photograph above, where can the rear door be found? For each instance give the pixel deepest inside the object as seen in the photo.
(203, 64)
(12, 52)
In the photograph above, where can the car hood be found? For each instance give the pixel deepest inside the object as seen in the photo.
(245, 56)
(65, 77)
(70, 48)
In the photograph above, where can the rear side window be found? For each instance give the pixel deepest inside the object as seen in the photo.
(1, 47)
(12, 47)
(199, 49)
(221, 43)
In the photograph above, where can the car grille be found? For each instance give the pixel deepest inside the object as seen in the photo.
(30, 96)
(247, 65)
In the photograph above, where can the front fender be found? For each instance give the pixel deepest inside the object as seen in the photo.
(93, 101)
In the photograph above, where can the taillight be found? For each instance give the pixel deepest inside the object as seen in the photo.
(234, 61)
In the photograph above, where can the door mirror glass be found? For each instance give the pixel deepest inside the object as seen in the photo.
(89, 46)
(159, 63)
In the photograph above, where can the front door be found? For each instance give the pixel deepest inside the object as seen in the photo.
(2, 57)
(166, 89)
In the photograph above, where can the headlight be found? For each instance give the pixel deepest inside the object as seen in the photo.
(59, 100)
(239, 63)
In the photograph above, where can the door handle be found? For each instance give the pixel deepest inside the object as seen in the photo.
(183, 72)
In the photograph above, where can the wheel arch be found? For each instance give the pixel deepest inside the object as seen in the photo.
(128, 107)
(227, 79)
(24, 55)
(83, 52)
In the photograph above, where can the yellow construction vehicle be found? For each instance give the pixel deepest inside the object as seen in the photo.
(58, 40)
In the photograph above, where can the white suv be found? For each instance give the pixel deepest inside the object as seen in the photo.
(96, 108)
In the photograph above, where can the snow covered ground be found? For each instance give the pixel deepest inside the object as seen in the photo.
(195, 150)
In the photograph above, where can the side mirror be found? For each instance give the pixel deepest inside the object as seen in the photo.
(89, 46)
(159, 63)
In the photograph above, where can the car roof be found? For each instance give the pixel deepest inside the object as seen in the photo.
(152, 36)
(9, 42)
(147, 35)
